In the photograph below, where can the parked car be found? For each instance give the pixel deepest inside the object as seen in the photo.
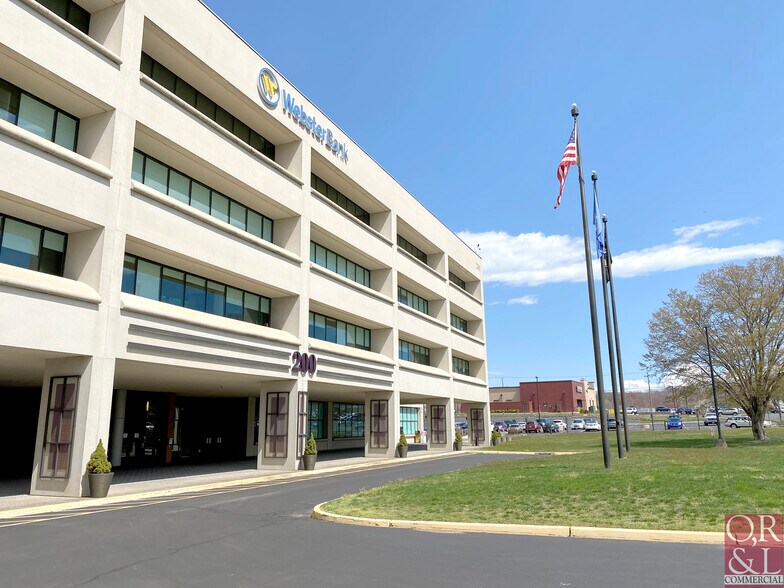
(516, 428)
(559, 425)
(532, 427)
(728, 411)
(710, 419)
(578, 425)
(684, 410)
(662, 409)
(632, 410)
(546, 424)
(592, 424)
(463, 426)
(673, 422)
(738, 421)
(499, 426)
(612, 423)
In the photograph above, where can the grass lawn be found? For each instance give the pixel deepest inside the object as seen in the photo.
(671, 480)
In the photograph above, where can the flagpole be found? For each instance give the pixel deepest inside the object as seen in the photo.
(617, 336)
(597, 357)
(610, 350)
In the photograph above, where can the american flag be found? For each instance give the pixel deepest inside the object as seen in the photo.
(569, 157)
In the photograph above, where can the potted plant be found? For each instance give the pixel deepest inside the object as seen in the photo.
(309, 456)
(458, 440)
(99, 472)
(495, 437)
(402, 446)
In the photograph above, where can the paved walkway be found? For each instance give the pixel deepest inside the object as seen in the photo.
(127, 482)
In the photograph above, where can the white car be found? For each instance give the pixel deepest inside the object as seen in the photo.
(738, 421)
(578, 424)
(632, 410)
(559, 425)
(592, 425)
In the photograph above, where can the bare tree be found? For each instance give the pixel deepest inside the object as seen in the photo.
(743, 308)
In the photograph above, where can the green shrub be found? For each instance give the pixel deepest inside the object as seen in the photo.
(402, 441)
(496, 434)
(99, 462)
(310, 446)
(458, 435)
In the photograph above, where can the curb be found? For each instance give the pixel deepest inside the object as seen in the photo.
(653, 535)
(86, 502)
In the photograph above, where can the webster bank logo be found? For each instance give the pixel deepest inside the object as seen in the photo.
(270, 92)
(268, 87)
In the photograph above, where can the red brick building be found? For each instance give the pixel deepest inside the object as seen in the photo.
(532, 397)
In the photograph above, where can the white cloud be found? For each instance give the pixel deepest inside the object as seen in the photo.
(533, 259)
(712, 229)
(525, 300)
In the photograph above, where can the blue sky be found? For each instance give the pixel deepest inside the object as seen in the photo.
(466, 104)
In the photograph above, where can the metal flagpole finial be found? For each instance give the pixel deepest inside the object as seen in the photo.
(604, 218)
(575, 110)
(594, 177)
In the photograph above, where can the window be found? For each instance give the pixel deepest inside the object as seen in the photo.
(277, 424)
(172, 286)
(408, 420)
(414, 353)
(336, 331)
(457, 281)
(31, 246)
(379, 423)
(459, 323)
(348, 421)
(460, 366)
(70, 11)
(317, 419)
(340, 265)
(167, 180)
(207, 107)
(438, 424)
(412, 300)
(58, 435)
(412, 249)
(39, 117)
(339, 198)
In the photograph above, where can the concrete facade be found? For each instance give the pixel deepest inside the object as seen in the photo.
(129, 350)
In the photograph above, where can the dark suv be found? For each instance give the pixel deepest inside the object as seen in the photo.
(546, 424)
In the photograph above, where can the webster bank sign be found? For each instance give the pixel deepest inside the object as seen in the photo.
(271, 94)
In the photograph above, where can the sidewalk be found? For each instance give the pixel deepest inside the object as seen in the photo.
(134, 483)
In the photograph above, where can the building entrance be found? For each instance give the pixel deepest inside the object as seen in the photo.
(163, 428)
(17, 435)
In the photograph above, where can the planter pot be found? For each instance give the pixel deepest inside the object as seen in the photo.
(309, 462)
(99, 484)
(402, 450)
(458, 446)
(494, 441)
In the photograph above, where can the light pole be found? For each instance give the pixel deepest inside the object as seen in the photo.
(720, 442)
(538, 405)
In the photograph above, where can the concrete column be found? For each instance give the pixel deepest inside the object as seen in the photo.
(118, 427)
(393, 423)
(91, 421)
(263, 459)
(484, 407)
(449, 414)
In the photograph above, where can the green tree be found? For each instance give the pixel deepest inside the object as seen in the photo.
(743, 308)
